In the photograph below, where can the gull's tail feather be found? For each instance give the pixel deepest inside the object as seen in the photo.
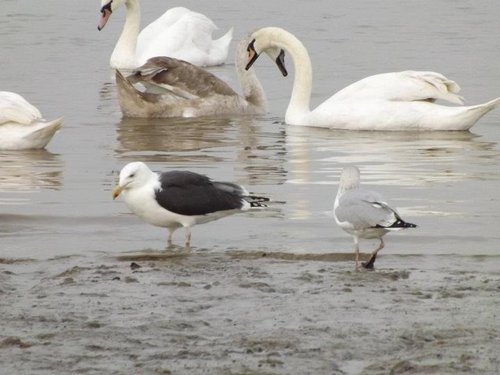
(256, 201)
(400, 223)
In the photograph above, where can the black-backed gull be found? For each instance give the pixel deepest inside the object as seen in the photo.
(180, 198)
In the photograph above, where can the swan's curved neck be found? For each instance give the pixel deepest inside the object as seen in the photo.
(124, 54)
(302, 85)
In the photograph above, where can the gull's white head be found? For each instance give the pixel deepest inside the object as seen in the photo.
(349, 179)
(132, 176)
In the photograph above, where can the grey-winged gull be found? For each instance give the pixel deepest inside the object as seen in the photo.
(180, 198)
(364, 213)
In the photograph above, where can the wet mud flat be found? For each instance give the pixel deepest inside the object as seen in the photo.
(249, 312)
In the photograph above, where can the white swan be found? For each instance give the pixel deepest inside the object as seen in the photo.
(21, 124)
(179, 33)
(390, 101)
(175, 88)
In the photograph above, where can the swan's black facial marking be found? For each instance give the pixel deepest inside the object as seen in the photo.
(252, 54)
(280, 61)
(107, 7)
(251, 46)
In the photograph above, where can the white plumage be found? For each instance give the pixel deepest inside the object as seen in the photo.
(180, 198)
(21, 124)
(364, 213)
(179, 33)
(389, 101)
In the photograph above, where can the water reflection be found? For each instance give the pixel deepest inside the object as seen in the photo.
(389, 158)
(258, 156)
(30, 170)
(154, 137)
(261, 155)
(107, 94)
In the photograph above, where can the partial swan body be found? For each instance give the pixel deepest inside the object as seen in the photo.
(179, 33)
(21, 124)
(390, 101)
(175, 88)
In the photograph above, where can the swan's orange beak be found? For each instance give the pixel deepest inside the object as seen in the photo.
(116, 191)
(106, 13)
(252, 55)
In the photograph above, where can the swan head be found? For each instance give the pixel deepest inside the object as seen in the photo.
(108, 7)
(256, 47)
(106, 10)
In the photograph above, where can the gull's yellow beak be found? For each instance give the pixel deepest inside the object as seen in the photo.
(116, 191)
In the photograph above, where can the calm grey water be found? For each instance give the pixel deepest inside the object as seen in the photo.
(56, 206)
(58, 201)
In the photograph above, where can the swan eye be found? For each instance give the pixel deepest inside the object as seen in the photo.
(132, 175)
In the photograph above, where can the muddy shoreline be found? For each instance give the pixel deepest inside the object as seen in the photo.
(245, 313)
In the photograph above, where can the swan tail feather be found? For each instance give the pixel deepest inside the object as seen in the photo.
(473, 113)
(41, 137)
(124, 85)
(51, 126)
(485, 107)
(219, 49)
(223, 41)
(132, 101)
(492, 104)
(221, 45)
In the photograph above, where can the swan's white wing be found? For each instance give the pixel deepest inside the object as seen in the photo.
(406, 86)
(173, 17)
(169, 18)
(151, 33)
(14, 108)
(179, 33)
(199, 28)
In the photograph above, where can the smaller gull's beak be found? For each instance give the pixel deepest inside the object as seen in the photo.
(252, 55)
(116, 191)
